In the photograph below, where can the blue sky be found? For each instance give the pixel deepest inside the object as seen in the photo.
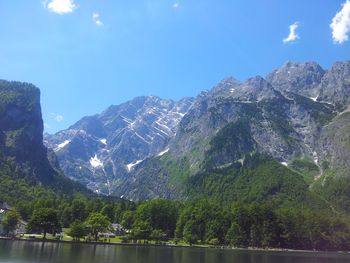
(87, 55)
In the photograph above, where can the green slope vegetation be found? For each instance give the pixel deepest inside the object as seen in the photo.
(306, 167)
(258, 179)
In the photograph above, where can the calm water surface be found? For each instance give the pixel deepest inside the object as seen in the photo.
(25, 252)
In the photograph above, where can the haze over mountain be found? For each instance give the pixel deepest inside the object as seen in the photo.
(296, 118)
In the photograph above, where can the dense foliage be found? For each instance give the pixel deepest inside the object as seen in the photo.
(44, 220)
(10, 221)
(239, 225)
(257, 179)
(201, 221)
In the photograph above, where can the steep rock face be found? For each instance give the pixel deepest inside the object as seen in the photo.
(334, 146)
(335, 85)
(101, 150)
(310, 80)
(281, 126)
(299, 78)
(21, 132)
(282, 118)
(218, 131)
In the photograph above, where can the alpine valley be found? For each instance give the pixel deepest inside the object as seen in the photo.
(282, 138)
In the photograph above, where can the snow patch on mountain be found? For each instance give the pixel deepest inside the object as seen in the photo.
(95, 162)
(163, 152)
(284, 163)
(62, 145)
(314, 98)
(131, 165)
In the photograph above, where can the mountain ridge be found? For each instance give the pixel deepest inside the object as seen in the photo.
(126, 133)
(283, 115)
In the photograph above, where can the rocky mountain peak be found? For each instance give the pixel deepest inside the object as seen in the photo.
(225, 87)
(335, 85)
(254, 89)
(299, 78)
(258, 83)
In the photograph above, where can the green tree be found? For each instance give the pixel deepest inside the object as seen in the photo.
(162, 214)
(10, 221)
(108, 211)
(77, 230)
(78, 209)
(44, 220)
(234, 235)
(128, 219)
(239, 232)
(96, 222)
(65, 215)
(141, 230)
(190, 233)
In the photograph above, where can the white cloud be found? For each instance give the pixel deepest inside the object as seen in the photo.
(176, 5)
(60, 6)
(96, 19)
(292, 33)
(341, 24)
(57, 117)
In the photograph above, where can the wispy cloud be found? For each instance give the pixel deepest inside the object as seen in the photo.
(176, 6)
(57, 117)
(292, 33)
(60, 7)
(341, 24)
(96, 19)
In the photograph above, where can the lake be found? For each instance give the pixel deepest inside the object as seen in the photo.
(30, 252)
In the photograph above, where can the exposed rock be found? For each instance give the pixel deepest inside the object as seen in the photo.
(117, 140)
(149, 147)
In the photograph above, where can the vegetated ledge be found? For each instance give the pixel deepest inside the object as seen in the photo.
(171, 245)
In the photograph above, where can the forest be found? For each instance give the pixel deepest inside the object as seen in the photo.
(192, 222)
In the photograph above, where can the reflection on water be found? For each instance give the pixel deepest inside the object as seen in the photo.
(40, 252)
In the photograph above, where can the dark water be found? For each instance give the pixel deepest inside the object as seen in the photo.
(20, 251)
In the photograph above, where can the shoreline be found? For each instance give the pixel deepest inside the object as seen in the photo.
(100, 243)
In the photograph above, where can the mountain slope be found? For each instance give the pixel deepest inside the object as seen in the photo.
(101, 150)
(148, 147)
(257, 179)
(281, 118)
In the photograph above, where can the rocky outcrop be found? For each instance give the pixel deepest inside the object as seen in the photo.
(21, 132)
(335, 86)
(22, 152)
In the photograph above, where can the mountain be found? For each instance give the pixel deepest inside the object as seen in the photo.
(300, 78)
(101, 150)
(293, 122)
(23, 155)
(284, 116)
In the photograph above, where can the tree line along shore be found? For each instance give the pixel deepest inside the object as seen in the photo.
(160, 221)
